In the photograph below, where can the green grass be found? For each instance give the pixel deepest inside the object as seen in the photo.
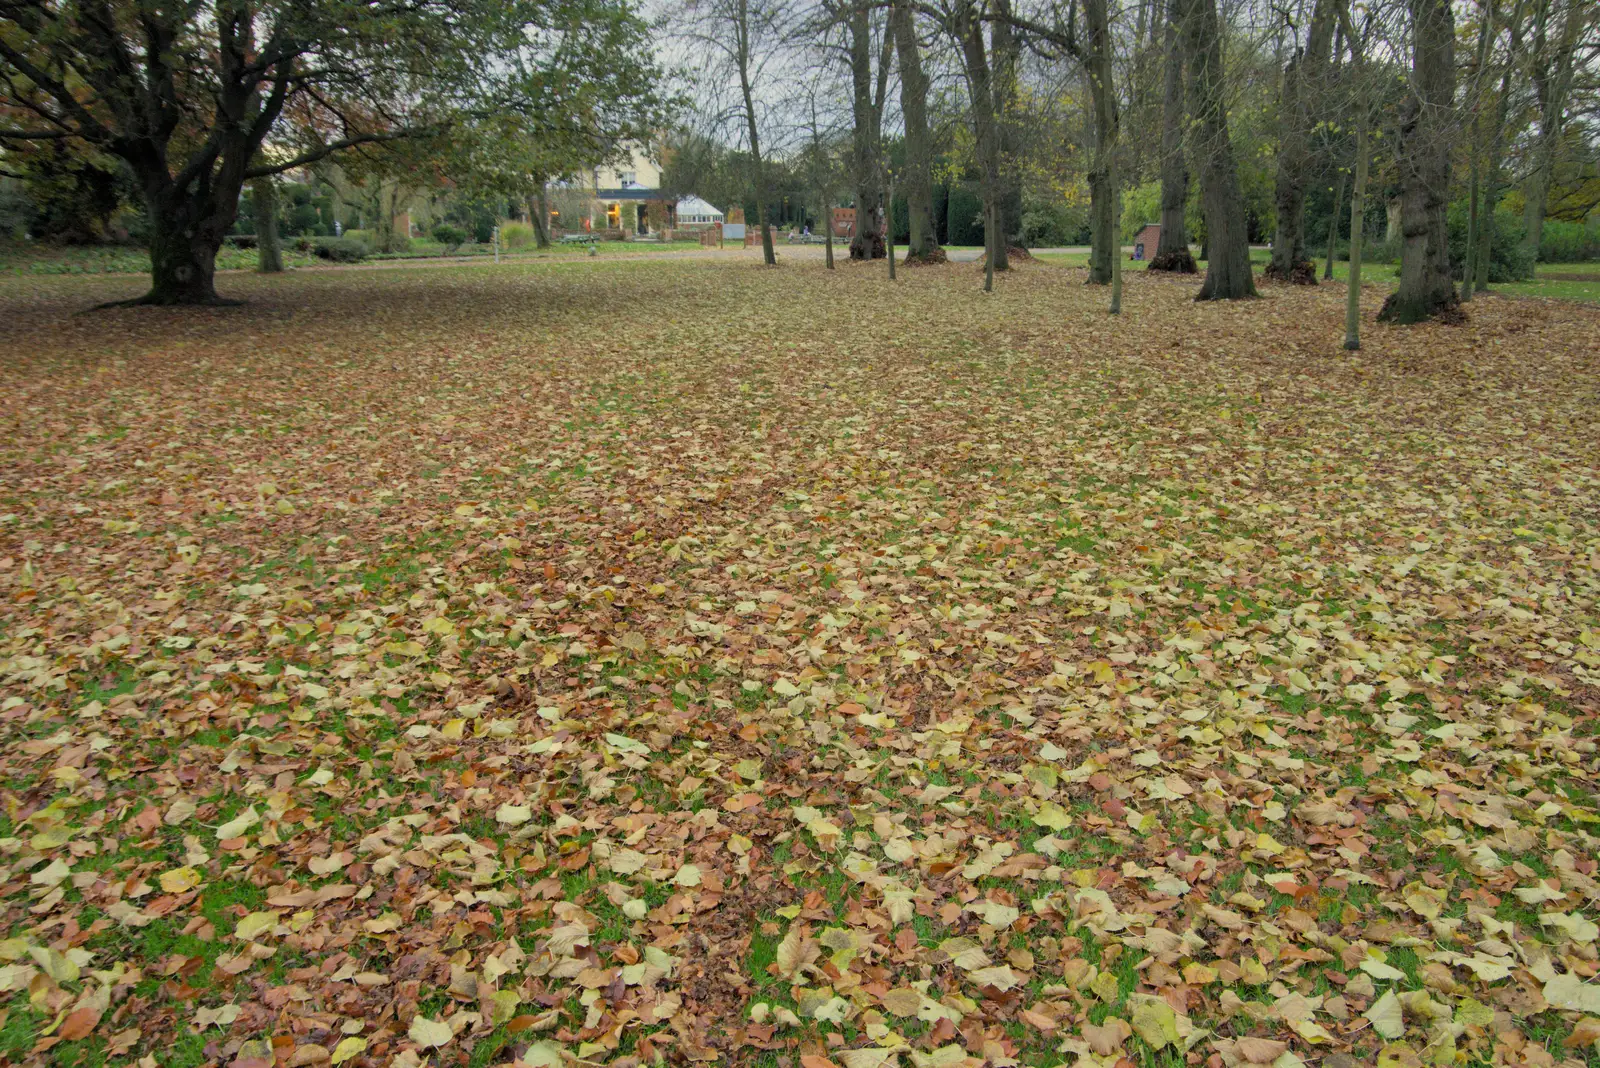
(1558, 288)
(25, 258)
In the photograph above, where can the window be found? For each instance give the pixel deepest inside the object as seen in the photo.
(627, 178)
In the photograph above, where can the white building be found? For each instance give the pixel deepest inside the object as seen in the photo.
(694, 212)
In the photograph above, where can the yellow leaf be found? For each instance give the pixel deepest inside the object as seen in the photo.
(429, 1034)
(179, 880)
(347, 1048)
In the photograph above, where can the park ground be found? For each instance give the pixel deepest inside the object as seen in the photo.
(622, 661)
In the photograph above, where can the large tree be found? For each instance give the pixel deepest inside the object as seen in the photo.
(1427, 129)
(198, 99)
(1172, 250)
(868, 92)
(1301, 104)
(1105, 191)
(1228, 262)
(918, 176)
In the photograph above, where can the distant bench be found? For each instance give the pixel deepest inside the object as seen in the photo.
(578, 239)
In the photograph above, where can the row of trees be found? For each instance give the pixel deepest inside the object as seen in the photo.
(192, 102)
(951, 113)
(1017, 95)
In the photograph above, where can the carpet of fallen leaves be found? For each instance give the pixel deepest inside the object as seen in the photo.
(635, 663)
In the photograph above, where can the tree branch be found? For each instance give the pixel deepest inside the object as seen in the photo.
(327, 150)
(35, 135)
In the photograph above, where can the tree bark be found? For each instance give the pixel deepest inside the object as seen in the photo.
(183, 257)
(1303, 83)
(264, 202)
(969, 32)
(1172, 249)
(918, 179)
(1106, 241)
(1426, 129)
(867, 242)
(1228, 274)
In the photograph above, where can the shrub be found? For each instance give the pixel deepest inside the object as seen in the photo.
(517, 235)
(965, 218)
(1508, 260)
(450, 236)
(363, 236)
(335, 249)
(242, 240)
(1569, 242)
(1384, 251)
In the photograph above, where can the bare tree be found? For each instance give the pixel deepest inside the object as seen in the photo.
(1361, 98)
(1299, 103)
(741, 35)
(1427, 127)
(1095, 58)
(1552, 66)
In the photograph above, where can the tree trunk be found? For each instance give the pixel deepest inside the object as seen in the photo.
(888, 227)
(1005, 53)
(1228, 274)
(186, 230)
(183, 261)
(1467, 273)
(1303, 86)
(1333, 226)
(264, 201)
(1426, 289)
(918, 180)
(969, 29)
(741, 29)
(867, 242)
(827, 231)
(1474, 131)
(539, 212)
(1393, 229)
(1358, 209)
(1106, 241)
(1172, 249)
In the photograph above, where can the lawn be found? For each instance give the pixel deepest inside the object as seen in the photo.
(34, 259)
(686, 660)
(1561, 281)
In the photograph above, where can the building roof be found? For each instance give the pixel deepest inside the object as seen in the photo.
(634, 192)
(693, 205)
